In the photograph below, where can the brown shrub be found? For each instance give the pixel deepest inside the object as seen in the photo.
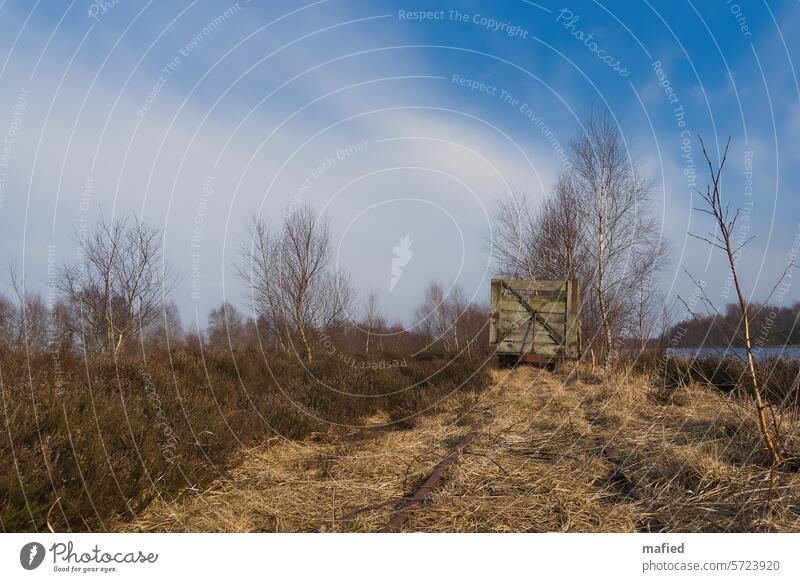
(779, 376)
(96, 439)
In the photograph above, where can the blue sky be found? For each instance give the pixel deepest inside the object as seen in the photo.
(198, 114)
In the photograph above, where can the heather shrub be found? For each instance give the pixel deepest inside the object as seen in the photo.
(103, 438)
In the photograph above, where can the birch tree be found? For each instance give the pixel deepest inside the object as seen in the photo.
(119, 286)
(291, 279)
(723, 239)
(372, 317)
(620, 233)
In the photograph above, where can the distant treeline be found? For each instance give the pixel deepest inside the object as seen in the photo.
(770, 326)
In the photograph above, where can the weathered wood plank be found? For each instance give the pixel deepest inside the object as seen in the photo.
(538, 337)
(494, 315)
(511, 321)
(573, 320)
(506, 348)
(548, 295)
(524, 284)
(541, 305)
(552, 330)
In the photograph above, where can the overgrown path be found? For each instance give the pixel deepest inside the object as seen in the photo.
(552, 453)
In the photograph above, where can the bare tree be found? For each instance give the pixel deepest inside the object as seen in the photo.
(448, 319)
(167, 329)
(596, 227)
(512, 240)
(620, 234)
(372, 316)
(558, 238)
(119, 286)
(227, 328)
(7, 318)
(431, 315)
(30, 319)
(647, 312)
(258, 269)
(541, 243)
(473, 326)
(726, 224)
(291, 280)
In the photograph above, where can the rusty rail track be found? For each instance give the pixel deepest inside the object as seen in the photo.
(409, 504)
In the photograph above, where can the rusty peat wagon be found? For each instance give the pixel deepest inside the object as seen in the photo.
(535, 321)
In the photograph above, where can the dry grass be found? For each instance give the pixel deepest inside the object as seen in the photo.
(315, 484)
(553, 453)
(99, 444)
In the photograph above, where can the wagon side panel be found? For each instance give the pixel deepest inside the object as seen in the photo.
(534, 318)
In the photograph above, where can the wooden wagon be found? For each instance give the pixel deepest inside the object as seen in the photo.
(535, 321)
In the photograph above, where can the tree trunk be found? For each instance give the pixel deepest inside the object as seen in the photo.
(720, 213)
(601, 282)
(751, 368)
(303, 335)
(606, 328)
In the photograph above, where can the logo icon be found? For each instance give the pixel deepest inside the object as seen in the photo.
(402, 255)
(31, 555)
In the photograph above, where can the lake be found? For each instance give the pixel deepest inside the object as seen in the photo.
(788, 352)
